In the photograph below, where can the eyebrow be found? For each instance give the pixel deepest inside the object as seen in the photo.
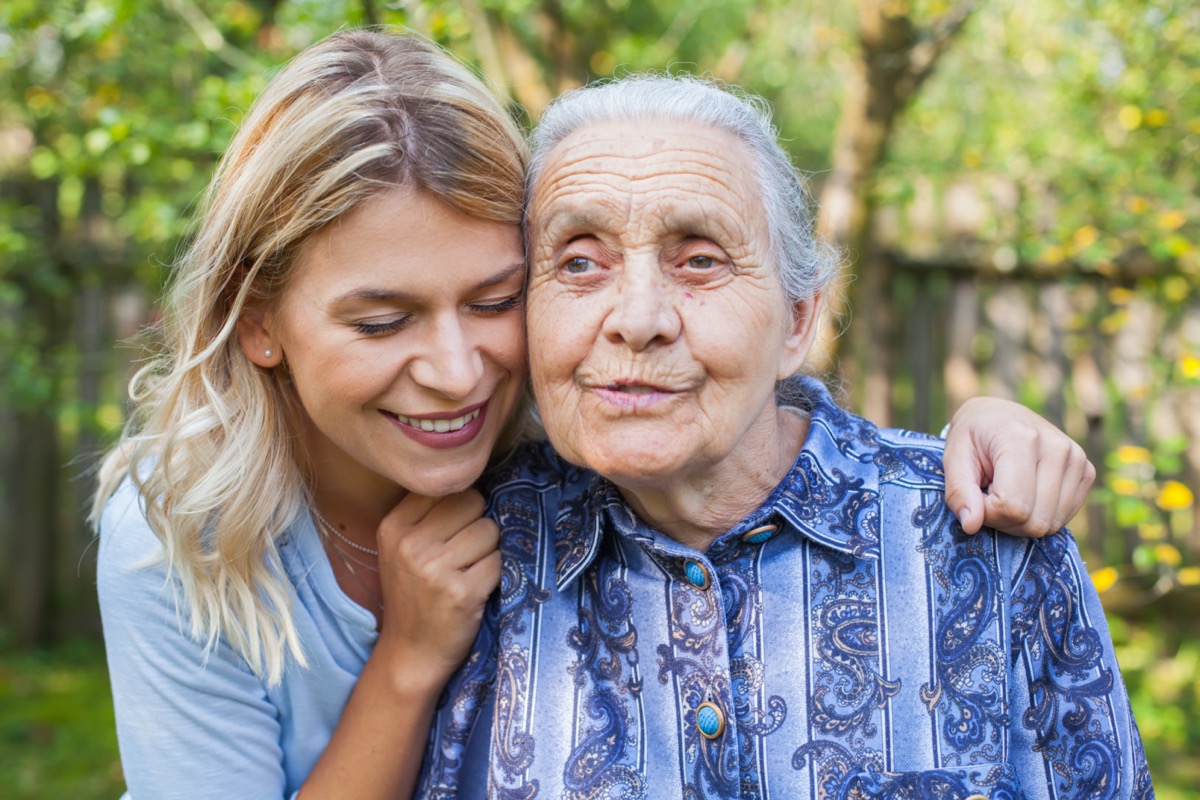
(389, 296)
(576, 218)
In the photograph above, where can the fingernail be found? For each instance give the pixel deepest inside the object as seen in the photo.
(962, 518)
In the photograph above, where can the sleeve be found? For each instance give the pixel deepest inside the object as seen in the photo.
(190, 723)
(1074, 735)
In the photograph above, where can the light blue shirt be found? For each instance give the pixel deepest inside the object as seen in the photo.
(192, 725)
(845, 640)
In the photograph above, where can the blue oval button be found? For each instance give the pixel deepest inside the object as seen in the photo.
(710, 720)
(759, 534)
(697, 575)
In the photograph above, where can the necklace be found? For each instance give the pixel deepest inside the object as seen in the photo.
(327, 527)
(346, 554)
(376, 599)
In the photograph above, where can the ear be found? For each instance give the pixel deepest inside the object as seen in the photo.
(800, 337)
(254, 335)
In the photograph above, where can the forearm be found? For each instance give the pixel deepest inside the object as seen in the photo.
(376, 749)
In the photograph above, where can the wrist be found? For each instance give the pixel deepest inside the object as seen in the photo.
(411, 673)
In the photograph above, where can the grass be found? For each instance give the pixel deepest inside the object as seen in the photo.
(57, 737)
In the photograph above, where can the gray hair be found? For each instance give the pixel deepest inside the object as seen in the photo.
(806, 264)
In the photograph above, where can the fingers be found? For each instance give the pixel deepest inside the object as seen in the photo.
(1039, 478)
(1077, 482)
(964, 477)
(438, 518)
(1039, 485)
(472, 544)
(1024, 496)
(449, 534)
(484, 574)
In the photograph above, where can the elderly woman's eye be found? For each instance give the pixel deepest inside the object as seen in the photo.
(578, 265)
(701, 262)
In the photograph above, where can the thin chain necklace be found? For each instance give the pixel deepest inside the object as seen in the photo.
(345, 554)
(376, 599)
(325, 525)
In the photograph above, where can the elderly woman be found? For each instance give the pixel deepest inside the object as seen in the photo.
(730, 596)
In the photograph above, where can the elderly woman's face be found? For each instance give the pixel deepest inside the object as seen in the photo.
(657, 322)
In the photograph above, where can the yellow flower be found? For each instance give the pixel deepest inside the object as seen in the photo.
(1130, 117)
(1189, 576)
(1053, 255)
(1152, 531)
(1119, 295)
(1104, 578)
(1126, 486)
(1190, 367)
(1172, 220)
(1167, 554)
(1174, 496)
(1156, 117)
(1176, 289)
(1085, 236)
(1113, 323)
(1137, 204)
(1129, 454)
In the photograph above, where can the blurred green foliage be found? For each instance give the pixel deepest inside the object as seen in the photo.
(57, 735)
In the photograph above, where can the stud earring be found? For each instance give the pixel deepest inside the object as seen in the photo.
(268, 353)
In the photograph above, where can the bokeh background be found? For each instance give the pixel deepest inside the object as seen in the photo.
(1014, 183)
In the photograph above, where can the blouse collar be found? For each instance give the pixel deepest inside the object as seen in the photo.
(830, 495)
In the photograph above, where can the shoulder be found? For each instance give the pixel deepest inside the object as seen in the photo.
(533, 465)
(128, 544)
(837, 435)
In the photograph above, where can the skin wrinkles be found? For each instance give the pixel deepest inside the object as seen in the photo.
(656, 370)
(614, 192)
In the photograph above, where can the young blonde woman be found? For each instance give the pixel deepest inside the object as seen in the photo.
(292, 560)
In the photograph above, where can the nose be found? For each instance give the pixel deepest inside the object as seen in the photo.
(450, 363)
(644, 311)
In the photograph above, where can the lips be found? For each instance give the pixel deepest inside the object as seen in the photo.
(438, 425)
(636, 388)
(633, 398)
(442, 431)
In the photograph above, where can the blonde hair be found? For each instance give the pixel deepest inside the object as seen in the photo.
(210, 444)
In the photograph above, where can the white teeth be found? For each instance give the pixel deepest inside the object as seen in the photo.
(439, 425)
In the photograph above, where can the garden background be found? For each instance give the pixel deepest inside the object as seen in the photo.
(1014, 182)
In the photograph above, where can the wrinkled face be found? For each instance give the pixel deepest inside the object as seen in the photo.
(403, 332)
(657, 322)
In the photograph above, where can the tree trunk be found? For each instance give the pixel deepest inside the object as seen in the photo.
(895, 58)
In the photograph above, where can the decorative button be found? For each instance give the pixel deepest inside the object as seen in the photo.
(978, 797)
(759, 534)
(697, 575)
(710, 720)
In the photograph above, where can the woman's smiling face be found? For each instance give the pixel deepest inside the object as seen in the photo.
(657, 323)
(402, 332)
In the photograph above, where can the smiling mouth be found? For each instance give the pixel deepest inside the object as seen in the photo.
(439, 425)
(636, 388)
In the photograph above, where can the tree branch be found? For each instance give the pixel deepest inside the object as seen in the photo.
(930, 46)
(212, 39)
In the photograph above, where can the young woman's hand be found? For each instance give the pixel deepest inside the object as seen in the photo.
(1036, 477)
(438, 563)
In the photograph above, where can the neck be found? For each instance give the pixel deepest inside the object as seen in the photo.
(352, 498)
(697, 508)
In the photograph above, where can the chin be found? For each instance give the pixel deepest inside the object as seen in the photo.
(628, 468)
(435, 481)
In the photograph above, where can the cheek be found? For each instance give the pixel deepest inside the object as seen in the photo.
(556, 324)
(505, 343)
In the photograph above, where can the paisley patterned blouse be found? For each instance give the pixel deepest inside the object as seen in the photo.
(845, 640)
